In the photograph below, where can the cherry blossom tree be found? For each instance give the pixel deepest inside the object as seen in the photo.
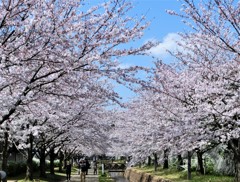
(77, 125)
(193, 105)
(48, 47)
(213, 53)
(44, 41)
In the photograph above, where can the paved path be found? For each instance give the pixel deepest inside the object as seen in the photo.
(76, 177)
(89, 178)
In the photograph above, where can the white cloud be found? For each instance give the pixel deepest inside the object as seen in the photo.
(168, 43)
(124, 65)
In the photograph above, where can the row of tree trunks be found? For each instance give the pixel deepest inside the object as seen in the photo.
(165, 161)
(235, 147)
(29, 157)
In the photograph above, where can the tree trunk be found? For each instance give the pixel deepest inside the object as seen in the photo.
(149, 161)
(189, 175)
(200, 162)
(180, 162)
(155, 161)
(42, 162)
(235, 146)
(5, 153)
(29, 172)
(165, 159)
(61, 157)
(237, 168)
(52, 158)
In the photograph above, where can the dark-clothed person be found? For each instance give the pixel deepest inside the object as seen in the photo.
(94, 167)
(87, 166)
(83, 169)
(68, 170)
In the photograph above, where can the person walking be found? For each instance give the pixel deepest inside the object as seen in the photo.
(68, 170)
(87, 166)
(94, 167)
(83, 169)
(3, 176)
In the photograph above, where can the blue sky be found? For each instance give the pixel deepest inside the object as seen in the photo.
(163, 28)
(155, 11)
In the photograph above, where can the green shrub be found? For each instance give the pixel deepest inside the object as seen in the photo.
(56, 163)
(210, 166)
(16, 168)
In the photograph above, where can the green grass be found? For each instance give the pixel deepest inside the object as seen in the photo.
(50, 178)
(104, 177)
(177, 176)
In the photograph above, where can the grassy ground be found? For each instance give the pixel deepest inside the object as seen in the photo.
(105, 177)
(50, 178)
(177, 176)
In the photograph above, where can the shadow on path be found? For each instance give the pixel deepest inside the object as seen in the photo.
(89, 178)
